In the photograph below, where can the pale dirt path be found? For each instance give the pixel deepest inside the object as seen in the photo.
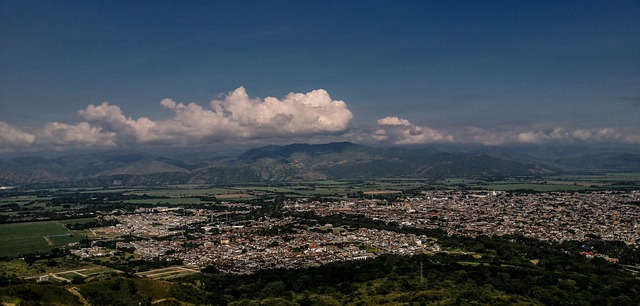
(74, 291)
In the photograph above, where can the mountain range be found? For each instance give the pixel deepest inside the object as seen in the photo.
(299, 162)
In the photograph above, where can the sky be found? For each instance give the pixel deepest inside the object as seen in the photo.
(145, 74)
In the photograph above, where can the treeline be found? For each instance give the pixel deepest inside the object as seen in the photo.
(422, 279)
(91, 224)
(446, 279)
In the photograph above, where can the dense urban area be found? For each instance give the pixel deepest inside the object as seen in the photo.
(200, 237)
(187, 235)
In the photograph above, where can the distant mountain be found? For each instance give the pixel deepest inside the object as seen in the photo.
(603, 161)
(300, 162)
(572, 158)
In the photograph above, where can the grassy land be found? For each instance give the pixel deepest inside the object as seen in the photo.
(552, 183)
(535, 187)
(22, 269)
(20, 238)
(170, 201)
(184, 191)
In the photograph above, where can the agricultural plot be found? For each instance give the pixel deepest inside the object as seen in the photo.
(189, 194)
(13, 205)
(532, 186)
(21, 200)
(378, 192)
(21, 238)
(553, 183)
(184, 191)
(235, 196)
(166, 201)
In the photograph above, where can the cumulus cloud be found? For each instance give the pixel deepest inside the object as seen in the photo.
(239, 116)
(402, 132)
(61, 135)
(12, 138)
(297, 113)
(110, 118)
(558, 134)
(393, 121)
(236, 117)
(635, 139)
(563, 134)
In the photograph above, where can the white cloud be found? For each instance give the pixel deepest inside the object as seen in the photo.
(580, 135)
(110, 118)
(393, 121)
(12, 138)
(236, 116)
(61, 135)
(635, 139)
(558, 134)
(304, 117)
(402, 132)
(297, 113)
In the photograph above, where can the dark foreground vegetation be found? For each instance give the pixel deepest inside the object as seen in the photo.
(443, 279)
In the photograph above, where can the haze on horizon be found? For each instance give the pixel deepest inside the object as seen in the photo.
(91, 75)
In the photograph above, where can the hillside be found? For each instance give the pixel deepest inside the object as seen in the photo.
(295, 162)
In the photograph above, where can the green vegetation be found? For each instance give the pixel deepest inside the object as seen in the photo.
(20, 238)
(30, 268)
(483, 270)
(63, 203)
(602, 181)
(165, 201)
(388, 280)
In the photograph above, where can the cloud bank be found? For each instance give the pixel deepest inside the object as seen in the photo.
(239, 118)
(553, 135)
(236, 117)
(402, 132)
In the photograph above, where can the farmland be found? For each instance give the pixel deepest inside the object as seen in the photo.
(19, 238)
(253, 227)
(19, 207)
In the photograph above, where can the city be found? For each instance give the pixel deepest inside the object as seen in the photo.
(201, 237)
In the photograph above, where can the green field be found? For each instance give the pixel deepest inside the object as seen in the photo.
(21, 238)
(165, 201)
(184, 191)
(22, 269)
(535, 187)
(551, 183)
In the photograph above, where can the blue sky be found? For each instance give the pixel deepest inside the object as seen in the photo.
(377, 72)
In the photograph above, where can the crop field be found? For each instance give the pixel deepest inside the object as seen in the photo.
(549, 184)
(189, 194)
(235, 196)
(175, 196)
(19, 238)
(534, 187)
(20, 199)
(169, 201)
(184, 191)
(376, 192)
(629, 179)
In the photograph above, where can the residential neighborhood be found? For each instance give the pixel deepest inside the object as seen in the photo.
(205, 237)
